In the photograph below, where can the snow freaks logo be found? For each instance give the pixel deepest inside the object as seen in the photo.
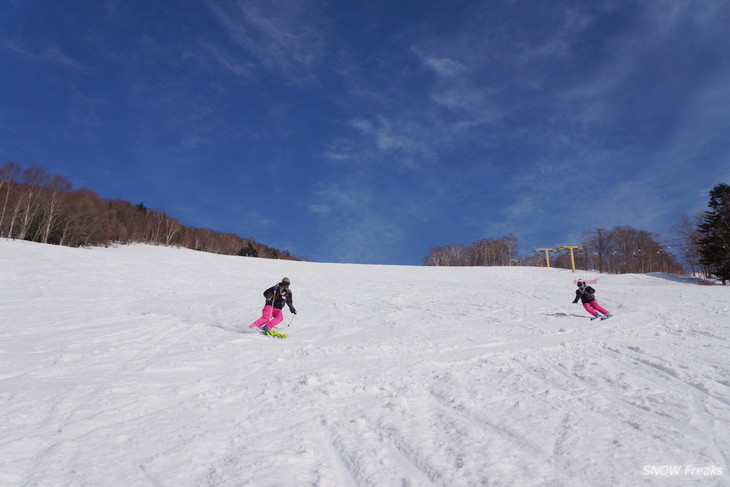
(683, 470)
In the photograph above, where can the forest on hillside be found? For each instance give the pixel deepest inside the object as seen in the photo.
(700, 246)
(619, 250)
(41, 207)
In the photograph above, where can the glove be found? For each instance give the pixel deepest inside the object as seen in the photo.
(293, 311)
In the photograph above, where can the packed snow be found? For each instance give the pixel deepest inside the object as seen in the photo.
(134, 366)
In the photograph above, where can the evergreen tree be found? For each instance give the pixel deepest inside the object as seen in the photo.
(715, 234)
(248, 251)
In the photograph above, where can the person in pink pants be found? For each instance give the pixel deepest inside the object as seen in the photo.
(273, 314)
(587, 295)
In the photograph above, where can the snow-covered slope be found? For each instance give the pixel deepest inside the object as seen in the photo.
(134, 366)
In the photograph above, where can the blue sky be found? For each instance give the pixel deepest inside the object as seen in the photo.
(367, 132)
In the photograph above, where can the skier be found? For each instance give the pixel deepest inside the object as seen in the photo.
(272, 314)
(588, 296)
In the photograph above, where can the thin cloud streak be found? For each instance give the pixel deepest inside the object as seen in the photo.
(50, 55)
(282, 35)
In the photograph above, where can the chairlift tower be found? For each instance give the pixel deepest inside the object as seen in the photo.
(547, 255)
(571, 248)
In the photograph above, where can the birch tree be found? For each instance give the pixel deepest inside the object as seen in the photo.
(57, 188)
(8, 172)
(28, 207)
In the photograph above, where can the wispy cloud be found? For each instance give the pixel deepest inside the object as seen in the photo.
(318, 208)
(229, 62)
(51, 55)
(85, 109)
(282, 35)
(359, 225)
(444, 67)
(454, 87)
(367, 240)
(388, 139)
(380, 140)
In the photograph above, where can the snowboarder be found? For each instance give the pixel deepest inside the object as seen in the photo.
(588, 296)
(272, 314)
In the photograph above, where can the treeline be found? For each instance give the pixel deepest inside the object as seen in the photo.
(622, 250)
(485, 252)
(619, 250)
(703, 242)
(41, 207)
(714, 234)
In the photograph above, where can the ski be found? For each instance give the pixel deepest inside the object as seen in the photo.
(601, 317)
(274, 334)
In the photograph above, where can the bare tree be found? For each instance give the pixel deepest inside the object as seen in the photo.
(27, 207)
(597, 246)
(686, 241)
(485, 252)
(36, 206)
(625, 250)
(494, 252)
(439, 256)
(8, 173)
(508, 249)
(84, 223)
(171, 230)
(56, 189)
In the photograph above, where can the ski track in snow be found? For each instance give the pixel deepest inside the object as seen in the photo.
(134, 366)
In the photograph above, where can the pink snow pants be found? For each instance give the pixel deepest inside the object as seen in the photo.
(269, 316)
(593, 307)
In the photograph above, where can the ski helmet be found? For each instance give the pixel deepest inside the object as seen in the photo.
(581, 283)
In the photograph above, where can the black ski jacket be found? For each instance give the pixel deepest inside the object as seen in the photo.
(586, 295)
(278, 296)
